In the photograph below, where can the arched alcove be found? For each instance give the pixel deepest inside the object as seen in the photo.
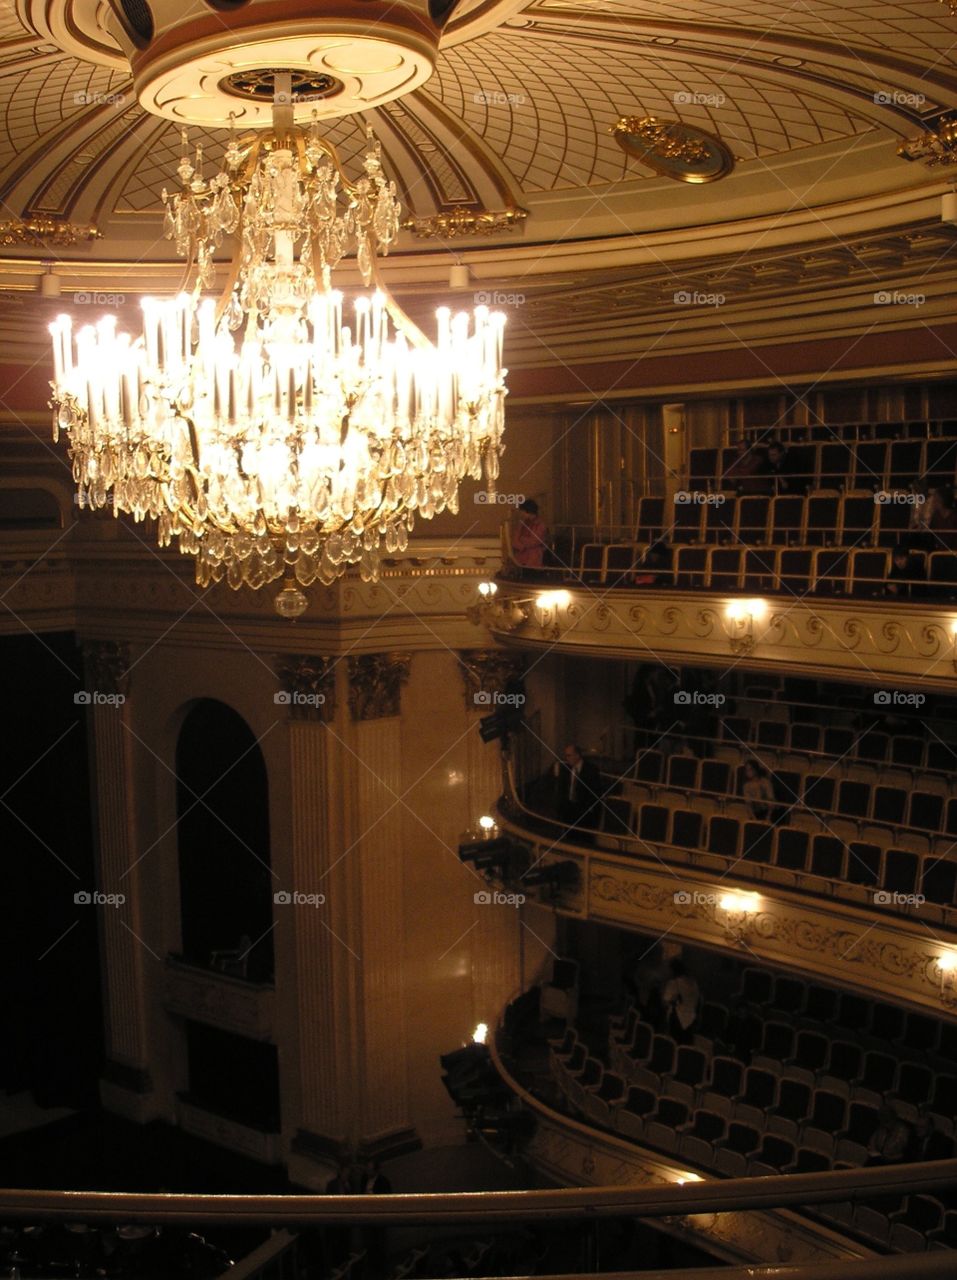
(222, 813)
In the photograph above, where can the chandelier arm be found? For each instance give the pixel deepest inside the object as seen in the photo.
(404, 323)
(236, 264)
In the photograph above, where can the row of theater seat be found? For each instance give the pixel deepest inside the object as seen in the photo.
(821, 519)
(833, 463)
(893, 796)
(843, 1015)
(806, 1101)
(888, 798)
(833, 860)
(850, 741)
(793, 570)
(846, 734)
(859, 429)
(719, 1113)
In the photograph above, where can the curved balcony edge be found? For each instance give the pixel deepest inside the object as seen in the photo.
(838, 638)
(889, 957)
(570, 1151)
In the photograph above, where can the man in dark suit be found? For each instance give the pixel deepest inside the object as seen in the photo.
(579, 789)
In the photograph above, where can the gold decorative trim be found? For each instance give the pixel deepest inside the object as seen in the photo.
(107, 664)
(673, 149)
(465, 222)
(375, 684)
(486, 672)
(936, 145)
(45, 232)
(308, 686)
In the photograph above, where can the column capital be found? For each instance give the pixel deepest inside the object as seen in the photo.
(308, 685)
(107, 664)
(375, 684)
(486, 672)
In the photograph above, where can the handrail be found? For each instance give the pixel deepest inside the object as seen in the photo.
(912, 1266)
(478, 1207)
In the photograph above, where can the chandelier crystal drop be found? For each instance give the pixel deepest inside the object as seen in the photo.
(280, 430)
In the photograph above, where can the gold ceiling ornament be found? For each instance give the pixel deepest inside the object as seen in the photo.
(664, 138)
(277, 432)
(452, 223)
(937, 144)
(673, 149)
(375, 684)
(952, 6)
(45, 233)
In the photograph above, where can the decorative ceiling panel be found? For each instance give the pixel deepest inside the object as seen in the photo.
(548, 117)
(922, 27)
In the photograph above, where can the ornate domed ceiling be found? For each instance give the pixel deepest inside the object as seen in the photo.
(505, 154)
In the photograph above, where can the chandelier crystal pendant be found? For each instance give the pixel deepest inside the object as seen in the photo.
(280, 430)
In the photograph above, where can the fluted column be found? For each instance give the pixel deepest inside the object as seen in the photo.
(375, 855)
(314, 907)
(123, 952)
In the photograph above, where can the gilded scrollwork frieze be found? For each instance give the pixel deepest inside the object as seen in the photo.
(870, 638)
(839, 940)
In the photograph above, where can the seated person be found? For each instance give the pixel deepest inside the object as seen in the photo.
(748, 470)
(654, 568)
(757, 790)
(529, 537)
(905, 575)
(780, 470)
(890, 1140)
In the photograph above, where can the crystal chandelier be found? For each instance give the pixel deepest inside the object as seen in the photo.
(271, 432)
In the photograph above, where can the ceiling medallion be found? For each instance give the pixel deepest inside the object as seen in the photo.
(465, 222)
(43, 232)
(200, 63)
(259, 86)
(674, 149)
(269, 433)
(937, 144)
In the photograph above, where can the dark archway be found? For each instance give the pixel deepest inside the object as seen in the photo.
(222, 812)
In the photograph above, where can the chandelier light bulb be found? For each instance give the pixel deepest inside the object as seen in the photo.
(282, 429)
